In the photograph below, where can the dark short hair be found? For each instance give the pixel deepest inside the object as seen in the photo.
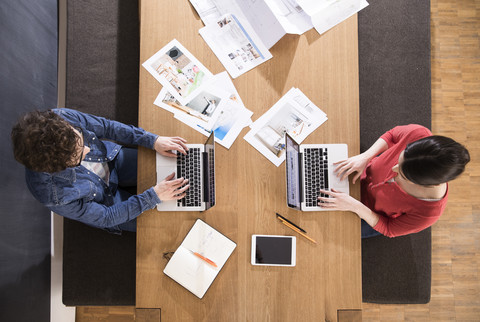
(44, 142)
(434, 160)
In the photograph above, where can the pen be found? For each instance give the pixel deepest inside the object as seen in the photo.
(291, 223)
(296, 229)
(204, 258)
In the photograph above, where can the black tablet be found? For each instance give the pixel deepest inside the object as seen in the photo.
(273, 250)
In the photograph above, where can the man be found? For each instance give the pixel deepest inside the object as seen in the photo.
(75, 167)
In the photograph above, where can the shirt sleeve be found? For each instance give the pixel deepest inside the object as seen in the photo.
(398, 133)
(108, 129)
(405, 224)
(101, 216)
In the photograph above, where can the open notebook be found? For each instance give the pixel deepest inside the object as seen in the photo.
(189, 270)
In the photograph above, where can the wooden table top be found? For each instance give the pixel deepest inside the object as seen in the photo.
(249, 188)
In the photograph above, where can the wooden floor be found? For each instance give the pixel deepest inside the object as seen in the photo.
(455, 27)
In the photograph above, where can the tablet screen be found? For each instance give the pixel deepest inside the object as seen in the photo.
(273, 250)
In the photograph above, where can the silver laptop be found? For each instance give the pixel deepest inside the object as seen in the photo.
(309, 168)
(198, 166)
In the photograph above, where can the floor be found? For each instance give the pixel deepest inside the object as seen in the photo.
(455, 27)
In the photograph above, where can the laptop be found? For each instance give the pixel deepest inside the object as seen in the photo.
(198, 166)
(309, 168)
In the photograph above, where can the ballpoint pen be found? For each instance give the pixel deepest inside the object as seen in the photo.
(296, 229)
(301, 229)
(209, 261)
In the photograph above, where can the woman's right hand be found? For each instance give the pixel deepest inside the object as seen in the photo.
(353, 164)
(170, 189)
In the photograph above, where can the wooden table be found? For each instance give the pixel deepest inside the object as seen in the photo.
(250, 189)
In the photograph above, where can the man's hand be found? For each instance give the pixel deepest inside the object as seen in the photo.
(170, 189)
(167, 145)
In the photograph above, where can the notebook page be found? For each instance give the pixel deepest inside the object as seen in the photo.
(192, 272)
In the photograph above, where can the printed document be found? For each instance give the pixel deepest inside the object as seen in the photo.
(294, 114)
(235, 44)
(240, 32)
(230, 115)
(178, 71)
(326, 14)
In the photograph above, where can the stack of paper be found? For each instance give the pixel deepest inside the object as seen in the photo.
(195, 96)
(240, 32)
(294, 114)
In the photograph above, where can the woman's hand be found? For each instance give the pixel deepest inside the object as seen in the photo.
(356, 164)
(338, 201)
(167, 145)
(170, 189)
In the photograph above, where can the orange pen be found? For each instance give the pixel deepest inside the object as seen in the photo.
(204, 258)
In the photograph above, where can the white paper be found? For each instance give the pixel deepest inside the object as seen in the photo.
(204, 109)
(262, 20)
(232, 115)
(311, 7)
(256, 12)
(328, 13)
(192, 272)
(236, 44)
(294, 114)
(178, 71)
(290, 15)
(231, 122)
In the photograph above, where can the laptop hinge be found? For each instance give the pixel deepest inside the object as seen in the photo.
(300, 174)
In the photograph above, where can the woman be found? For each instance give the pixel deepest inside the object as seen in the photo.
(404, 181)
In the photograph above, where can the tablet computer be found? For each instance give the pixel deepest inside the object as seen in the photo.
(273, 250)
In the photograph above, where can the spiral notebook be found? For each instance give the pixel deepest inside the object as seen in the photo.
(196, 272)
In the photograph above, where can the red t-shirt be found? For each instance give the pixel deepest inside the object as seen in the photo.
(400, 213)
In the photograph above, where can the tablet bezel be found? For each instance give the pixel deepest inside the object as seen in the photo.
(294, 250)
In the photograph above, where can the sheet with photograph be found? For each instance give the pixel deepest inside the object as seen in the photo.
(204, 109)
(178, 71)
(233, 115)
(228, 126)
(236, 44)
(294, 114)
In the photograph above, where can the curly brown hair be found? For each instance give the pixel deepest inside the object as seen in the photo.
(44, 142)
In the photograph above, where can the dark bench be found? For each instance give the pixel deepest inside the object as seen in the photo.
(394, 68)
(102, 79)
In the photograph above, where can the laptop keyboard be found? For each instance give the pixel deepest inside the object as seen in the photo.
(211, 164)
(316, 174)
(189, 167)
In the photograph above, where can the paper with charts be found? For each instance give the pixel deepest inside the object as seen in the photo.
(193, 273)
(294, 114)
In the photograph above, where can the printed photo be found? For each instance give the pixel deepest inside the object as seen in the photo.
(294, 114)
(272, 134)
(202, 106)
(179, 71)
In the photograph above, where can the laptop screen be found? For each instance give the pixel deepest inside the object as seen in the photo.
(292, 165)
(209, 172)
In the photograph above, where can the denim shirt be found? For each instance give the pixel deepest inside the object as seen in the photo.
(78, 193)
